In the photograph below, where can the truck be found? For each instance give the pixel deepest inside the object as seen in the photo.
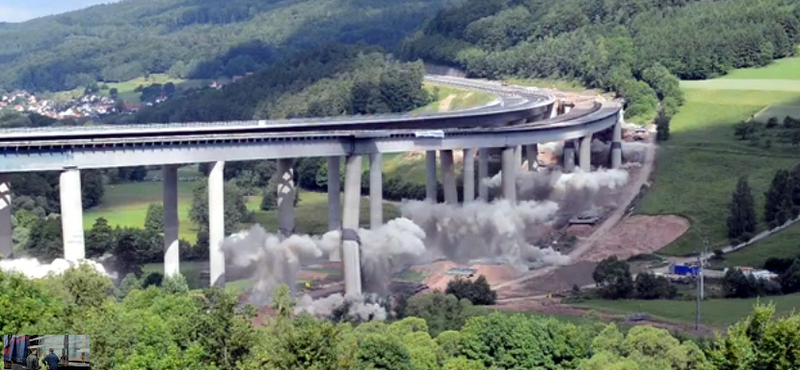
(72, 350)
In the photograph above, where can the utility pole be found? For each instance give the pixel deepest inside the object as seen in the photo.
(699, 288)
(699, 280)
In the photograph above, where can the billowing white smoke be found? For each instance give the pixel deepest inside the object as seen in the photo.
(34, 269)
(484, 231)
(356, 308)
(273, 260)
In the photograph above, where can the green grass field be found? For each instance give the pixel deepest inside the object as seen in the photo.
(698, 167)
(126, 88)
(452, 98)
(717, 313)
(126, 205)
(783, 244)
(779, 112)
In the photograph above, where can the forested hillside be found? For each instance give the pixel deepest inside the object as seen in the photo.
(191, 38)
(627, 46)
(328, 80)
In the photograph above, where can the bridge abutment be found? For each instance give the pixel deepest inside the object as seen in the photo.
(6, 242)
(216, 224)
(430, 176)
(285, 196)
(569, 156)
(585, 157)
(69, 184)
(350, 217)
(510, 166)
(334, 201)
(469, 174)
(449, 177)
(171, 221)
(375, 190)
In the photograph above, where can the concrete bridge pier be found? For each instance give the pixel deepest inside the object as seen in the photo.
(171, 221)
(510, 166)
(518, 156)
(469, 174)
(569, 156)
(375, 190)
(72, 214)
(616, 143)
(216, 224)
(449, 177)
(586, 153)
(483, 173)
(334, 202)
(285, 198)
(6, 242)
(554, 109)
(351, 244)
(532, 155)
(430, 179)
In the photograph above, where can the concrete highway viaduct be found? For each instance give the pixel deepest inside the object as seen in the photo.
(520, 117)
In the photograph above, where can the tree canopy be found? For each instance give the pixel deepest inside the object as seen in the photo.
(190, 38)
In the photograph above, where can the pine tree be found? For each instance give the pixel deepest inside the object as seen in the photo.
(778, 206)
(742, 220)
(662, 126)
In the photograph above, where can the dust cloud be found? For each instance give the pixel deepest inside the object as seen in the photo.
(475, 232)
(32, 268)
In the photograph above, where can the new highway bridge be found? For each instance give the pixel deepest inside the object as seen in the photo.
(519, 118)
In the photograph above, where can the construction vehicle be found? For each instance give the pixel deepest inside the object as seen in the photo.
(72, 350)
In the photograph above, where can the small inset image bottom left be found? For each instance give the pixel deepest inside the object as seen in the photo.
(45, 352)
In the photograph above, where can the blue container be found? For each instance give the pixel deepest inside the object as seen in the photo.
(684, 270)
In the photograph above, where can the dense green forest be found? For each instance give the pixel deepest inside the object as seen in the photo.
(327, 80)
(627, 46)
(191, 38)
(159, 324)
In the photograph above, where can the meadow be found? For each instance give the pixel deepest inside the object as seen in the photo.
(716, 313)
(126, 205)
(784, 244)
(699, 165)
(126, 88)
(453, 98)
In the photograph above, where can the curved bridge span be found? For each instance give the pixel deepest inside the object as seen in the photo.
(519, 118)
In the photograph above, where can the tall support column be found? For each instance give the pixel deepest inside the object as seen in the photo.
(518, 156)
(286, 195)
(586, 153)
(334, 202)
(449, 177)
(216, 223)
(430, 179)
(532, 155)
(616, 143)
(554, 109)
(569, 156)
(375, 190)
(72, 214)
(483, 173)
(171, 222)
(469, 175)
(350, 240)
(6, 242)
(510, 166)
